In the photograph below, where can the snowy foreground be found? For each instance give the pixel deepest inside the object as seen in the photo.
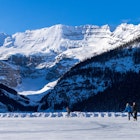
(79, 126)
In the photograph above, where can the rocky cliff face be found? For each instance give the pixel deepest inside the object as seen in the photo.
(9, 74)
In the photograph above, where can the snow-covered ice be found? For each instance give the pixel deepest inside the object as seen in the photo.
(56, 126)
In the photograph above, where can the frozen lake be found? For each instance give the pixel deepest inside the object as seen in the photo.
(80, 126)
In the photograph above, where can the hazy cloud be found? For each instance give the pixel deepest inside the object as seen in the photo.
(134, 21)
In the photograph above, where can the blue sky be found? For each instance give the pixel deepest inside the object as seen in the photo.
(21, 15)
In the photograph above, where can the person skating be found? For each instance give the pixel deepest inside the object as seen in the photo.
(134, 107)
(128, 109)
(68, 111)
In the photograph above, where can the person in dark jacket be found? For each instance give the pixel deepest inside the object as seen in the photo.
(128, 109)
(134, 107)
(68, 111)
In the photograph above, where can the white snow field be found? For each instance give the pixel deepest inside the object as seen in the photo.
(79, 126)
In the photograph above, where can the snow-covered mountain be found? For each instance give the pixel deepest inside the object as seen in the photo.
(44, 55)
(36, 59)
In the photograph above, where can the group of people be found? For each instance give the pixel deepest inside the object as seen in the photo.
(132, 110)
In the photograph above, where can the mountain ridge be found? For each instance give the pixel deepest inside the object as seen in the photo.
(42, 56)
(56, 49)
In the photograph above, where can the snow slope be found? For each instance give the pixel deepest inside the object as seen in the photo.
(72, 128)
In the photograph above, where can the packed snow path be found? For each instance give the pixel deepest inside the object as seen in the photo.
(80, 126)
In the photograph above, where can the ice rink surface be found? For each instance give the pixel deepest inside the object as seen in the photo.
(79, 126)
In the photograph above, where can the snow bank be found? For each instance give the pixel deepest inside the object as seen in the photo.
(63, 114)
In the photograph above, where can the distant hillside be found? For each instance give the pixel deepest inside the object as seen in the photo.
(11, 101)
